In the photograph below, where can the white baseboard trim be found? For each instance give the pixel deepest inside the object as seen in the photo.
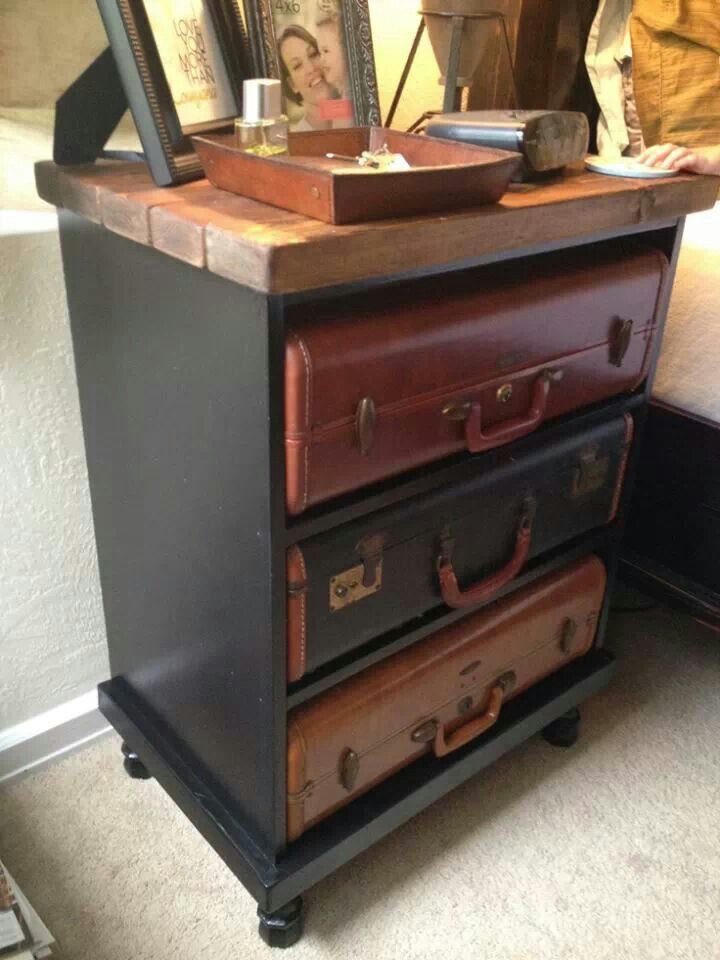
(50, 735)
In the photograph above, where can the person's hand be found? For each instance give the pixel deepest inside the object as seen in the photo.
(667, 156)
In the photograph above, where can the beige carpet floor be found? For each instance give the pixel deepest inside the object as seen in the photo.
(609, 850)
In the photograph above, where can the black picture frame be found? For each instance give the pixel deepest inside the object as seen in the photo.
(166, 142)
(360, 56)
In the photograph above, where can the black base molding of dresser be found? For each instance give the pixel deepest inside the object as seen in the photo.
(672, 540)
(670, 587)
(351, 831)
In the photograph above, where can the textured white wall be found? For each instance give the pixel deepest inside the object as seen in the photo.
(52, 638)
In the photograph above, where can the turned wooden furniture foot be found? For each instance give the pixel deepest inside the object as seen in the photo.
(284, 927)
(564, 731)
(134, 767)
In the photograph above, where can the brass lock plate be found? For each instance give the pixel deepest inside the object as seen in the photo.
(347, 587)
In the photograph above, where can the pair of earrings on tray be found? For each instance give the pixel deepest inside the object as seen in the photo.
(381, 160)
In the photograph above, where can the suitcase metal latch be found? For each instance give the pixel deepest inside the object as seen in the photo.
(365, 421)
(590, 474)
(458, 410)
(568, 636)
(363, 580)
(349, 769)
(620, 341)
(507, 681)
(425, 733)
(447, 546)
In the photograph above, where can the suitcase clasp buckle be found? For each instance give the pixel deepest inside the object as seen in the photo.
(507, 681)
(447, 545)
(620, 341)
(365, 421)
(349, 769)
(370, 550)
(426, 732)
(457, 410)
(568, 635)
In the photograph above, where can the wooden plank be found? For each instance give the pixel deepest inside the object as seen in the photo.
(179, 229)
(445, 240)
(680, 197)
(128, 212)
(248, 262)
(81, 188)
(581, 184)
(275, 251)
(316, 258)
(116, 193)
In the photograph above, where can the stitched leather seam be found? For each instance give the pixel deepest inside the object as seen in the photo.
(308, 384)
(652, 328)
(302, 795)
(294, 725)
(303, 615)
(402, 407)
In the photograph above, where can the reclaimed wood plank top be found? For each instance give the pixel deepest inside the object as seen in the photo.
(275, 251)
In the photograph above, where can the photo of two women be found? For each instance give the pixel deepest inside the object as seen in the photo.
(313, 64)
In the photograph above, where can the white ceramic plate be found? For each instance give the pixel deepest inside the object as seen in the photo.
(626, 167)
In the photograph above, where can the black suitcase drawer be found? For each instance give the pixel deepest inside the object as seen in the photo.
(457, 546)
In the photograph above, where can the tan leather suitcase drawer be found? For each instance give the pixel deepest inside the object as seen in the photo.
(438, 695)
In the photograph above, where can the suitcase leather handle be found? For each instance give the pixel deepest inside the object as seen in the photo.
(449, 587)
(443, 745)
(477, 439)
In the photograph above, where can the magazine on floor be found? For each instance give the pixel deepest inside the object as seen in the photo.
(23, 935)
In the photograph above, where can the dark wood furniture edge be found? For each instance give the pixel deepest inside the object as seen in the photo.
(165, 761)
(663, 404)
(680, 439)
(275, 252)
(354, 830)
(669, 587)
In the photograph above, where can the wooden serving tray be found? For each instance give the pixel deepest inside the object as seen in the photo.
(445, 175)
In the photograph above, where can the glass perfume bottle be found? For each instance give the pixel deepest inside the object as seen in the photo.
(263, 128)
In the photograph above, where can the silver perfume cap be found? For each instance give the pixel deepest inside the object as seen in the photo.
(262, 100)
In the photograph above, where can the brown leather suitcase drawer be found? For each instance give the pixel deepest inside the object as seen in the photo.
(456, 547)
(380, 383)
(438, 695)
